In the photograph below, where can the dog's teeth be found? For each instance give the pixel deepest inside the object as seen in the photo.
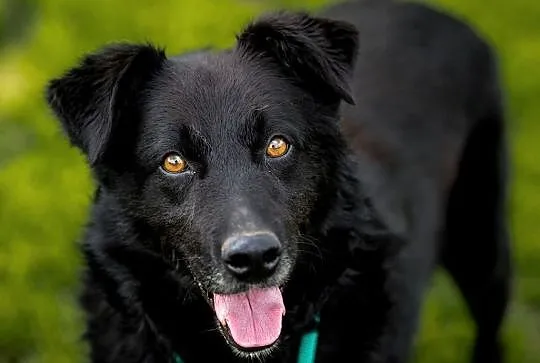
(223, 322)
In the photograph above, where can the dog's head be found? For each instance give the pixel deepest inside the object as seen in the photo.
(224, 155)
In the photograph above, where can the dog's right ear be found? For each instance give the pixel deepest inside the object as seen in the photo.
(90, 98)
(318, 53)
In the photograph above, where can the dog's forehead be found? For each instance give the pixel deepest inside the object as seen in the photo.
(210, 90)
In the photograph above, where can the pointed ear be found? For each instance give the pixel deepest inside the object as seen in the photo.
(90, 98)
(319, 53)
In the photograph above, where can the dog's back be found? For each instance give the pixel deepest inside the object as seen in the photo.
(421, 84)
(428, 137)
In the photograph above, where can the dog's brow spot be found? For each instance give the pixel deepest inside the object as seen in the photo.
(242, 219)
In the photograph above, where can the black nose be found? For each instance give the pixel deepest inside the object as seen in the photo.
(251, 257)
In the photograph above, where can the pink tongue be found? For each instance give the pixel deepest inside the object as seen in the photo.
(253, 317)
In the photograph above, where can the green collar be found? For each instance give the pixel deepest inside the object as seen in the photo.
(306, 353)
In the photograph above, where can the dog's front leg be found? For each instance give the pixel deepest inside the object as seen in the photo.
(119, 334)
(118, 327)
(354, 320)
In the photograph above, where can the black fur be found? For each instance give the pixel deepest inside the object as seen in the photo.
(364, 203)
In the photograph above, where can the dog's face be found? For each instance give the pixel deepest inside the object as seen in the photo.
(223, 155)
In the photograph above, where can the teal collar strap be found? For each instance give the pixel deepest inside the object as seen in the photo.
(308, 344)
(306, 353)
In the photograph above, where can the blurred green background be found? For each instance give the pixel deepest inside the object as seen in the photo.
(45, 185)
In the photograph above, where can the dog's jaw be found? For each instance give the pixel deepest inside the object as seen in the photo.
(215, 281)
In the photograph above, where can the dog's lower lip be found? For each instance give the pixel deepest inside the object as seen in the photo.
(223, 323)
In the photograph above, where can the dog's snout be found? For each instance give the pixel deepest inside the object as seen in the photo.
(251, 256)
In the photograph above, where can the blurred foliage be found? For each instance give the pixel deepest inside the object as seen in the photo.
(45, 186)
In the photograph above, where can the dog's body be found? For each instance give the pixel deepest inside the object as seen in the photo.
(356, 210)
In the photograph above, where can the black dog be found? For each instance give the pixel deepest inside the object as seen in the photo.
(241, 194)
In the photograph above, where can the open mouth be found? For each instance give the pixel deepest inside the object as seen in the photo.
(251, 320)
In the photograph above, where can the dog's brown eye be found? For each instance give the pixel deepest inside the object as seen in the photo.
(277, 147)
(174, 163)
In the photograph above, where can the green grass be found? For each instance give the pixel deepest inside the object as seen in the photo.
(45, 185)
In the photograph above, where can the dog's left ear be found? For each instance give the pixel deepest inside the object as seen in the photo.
(92, 98)
(318, 53)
